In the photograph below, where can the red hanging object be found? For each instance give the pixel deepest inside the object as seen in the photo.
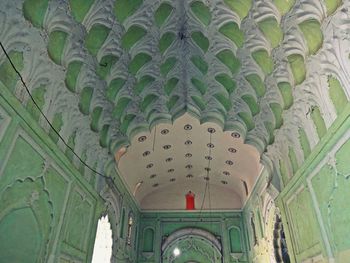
(190, 201)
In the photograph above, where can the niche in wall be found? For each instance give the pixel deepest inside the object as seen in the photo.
(235, 240)
(148, 239)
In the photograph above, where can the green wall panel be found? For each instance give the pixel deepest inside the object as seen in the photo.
(19, 229)
(77, 229)
(22, 156)
(314, 201)
(148, 240)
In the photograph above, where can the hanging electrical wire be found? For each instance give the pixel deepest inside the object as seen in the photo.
(209, 196)
(154, 137)
(206, 188)
(107, 178)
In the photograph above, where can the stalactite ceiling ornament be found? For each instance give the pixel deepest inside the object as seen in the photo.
(107, 72)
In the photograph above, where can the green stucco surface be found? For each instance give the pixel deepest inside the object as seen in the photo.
(102, 71)
(316, 201)
(47, 208)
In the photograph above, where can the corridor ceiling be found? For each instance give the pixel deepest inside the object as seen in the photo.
(108, 72)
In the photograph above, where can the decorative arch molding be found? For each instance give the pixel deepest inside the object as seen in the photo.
(193, 245)
(33, 206)
(112, 201)
(113, 211)
(194, 232)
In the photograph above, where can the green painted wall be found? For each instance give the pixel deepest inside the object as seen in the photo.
(48, 208)
(315, 201)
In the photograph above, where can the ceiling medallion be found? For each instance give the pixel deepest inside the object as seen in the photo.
(171, 170)
(150, 165)
(188, 155)
(142, 138)
(188, 127)
(235, 135)
(229, 162)
(209, 158)
(155, 185)
(232, 150)
(164, 131)
(189, 166)
(224, 182)
(188, 142)
(146, 153)
(226, 173)
(172, 179)
(210, 145)
(189, 176)
(211, 130)
(166, 147)
(152, 176)
(168, 159)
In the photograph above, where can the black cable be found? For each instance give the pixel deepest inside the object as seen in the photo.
(209, 197)
(47, 120)
(207, 188)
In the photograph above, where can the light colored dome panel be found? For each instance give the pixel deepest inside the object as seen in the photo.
(173, 197)
(192, 154)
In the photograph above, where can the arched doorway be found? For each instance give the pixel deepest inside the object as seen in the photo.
(103, 242)
(191, 245)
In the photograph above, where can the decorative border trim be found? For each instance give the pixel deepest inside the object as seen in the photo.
(5, 121)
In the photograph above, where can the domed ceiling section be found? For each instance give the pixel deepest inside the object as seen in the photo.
(104, 72)
(161, 166)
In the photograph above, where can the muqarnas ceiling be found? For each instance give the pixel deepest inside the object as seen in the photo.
(105, 71)
(225, 61)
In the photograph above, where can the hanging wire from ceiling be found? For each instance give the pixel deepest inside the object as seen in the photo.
(107, 178)
(209, 194)
(206, 189)
(154, 137)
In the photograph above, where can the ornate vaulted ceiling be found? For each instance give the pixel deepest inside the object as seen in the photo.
(106, 72)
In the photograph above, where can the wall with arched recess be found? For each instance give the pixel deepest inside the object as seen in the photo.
(259, 217)
(310, 158)
(321, 97)
(310, 167)
(192, 244)
(49, 209)
(314, 203)
(171, 229)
